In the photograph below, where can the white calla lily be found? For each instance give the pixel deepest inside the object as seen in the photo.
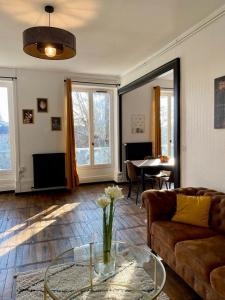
(103, 201)
(114, 192)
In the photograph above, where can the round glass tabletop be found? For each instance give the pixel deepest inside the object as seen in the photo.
(137, 273)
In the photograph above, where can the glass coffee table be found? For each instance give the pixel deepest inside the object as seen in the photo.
(139, 274)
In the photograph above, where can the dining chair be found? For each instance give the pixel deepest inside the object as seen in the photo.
(155, 175)
(155, 179)
(134, 178)
(167, 178)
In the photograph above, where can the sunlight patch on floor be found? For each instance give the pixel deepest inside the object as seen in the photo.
(33, 229)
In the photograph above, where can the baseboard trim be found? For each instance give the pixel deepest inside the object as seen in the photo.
(26, 185)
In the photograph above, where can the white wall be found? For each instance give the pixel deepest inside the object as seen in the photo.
(138, 102)
(38, 137)
(203, 147)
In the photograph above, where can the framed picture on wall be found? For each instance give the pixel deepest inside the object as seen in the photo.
(42, 104)
(137, 124)
(28, 116)
(56, 123)
(219, 103)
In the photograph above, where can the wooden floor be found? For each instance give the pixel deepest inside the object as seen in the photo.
(34, 228)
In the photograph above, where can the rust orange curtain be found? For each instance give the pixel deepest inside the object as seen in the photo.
(71, 166)
(156, 126)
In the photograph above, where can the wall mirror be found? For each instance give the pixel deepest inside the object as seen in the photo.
(138, 109)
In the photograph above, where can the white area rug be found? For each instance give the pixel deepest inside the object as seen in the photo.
(66, 279)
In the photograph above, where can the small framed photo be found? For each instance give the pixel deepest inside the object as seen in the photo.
(137, 124)
(56, 123)
(219, 103)
(28, 116)
(42, 104)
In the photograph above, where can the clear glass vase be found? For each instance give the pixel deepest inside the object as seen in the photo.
(104, 263)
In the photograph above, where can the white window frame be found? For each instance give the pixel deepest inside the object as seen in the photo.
(10, 88)
(90, 91)
(168, 93)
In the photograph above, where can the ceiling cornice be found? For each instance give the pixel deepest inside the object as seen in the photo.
(180, 39)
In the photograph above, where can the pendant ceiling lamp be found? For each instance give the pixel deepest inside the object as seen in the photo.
(48, 42)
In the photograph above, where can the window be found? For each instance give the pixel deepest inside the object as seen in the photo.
(92, 123)
(81, 125)
(6, 127)
(101, 120)
(167, 122)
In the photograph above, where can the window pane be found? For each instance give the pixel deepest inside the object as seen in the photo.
(5, 147)
(81, 124)
(164, 124)
(101, 112)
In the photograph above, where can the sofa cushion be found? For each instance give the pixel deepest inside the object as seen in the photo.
(173, 232)
(217, 280)
(201, 255)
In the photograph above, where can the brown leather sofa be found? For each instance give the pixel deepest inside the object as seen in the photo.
(197, 254)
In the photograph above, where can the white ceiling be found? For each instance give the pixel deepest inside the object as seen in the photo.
(112, 35)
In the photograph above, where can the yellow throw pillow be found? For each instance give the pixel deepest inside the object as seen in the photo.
(192, 210)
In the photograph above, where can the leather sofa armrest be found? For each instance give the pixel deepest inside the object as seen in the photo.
(160, 205)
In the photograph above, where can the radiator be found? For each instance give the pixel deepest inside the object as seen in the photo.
(49, 170)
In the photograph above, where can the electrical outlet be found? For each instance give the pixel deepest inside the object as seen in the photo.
(22, 169)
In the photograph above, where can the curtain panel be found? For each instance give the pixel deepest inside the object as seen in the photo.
(71, 166)
(156, 126)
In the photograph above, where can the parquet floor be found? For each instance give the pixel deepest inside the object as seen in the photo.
(34, 228)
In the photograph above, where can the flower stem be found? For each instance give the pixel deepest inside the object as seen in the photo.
(107, 232)
(104, 236)
(110, 222)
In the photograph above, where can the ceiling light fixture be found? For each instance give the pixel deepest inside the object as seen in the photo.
(48, 42)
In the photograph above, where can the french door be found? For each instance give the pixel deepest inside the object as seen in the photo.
(92, 111)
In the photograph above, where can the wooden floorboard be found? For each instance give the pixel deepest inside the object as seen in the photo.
(34, 228)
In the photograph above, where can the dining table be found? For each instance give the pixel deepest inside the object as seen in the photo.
(152, 164)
